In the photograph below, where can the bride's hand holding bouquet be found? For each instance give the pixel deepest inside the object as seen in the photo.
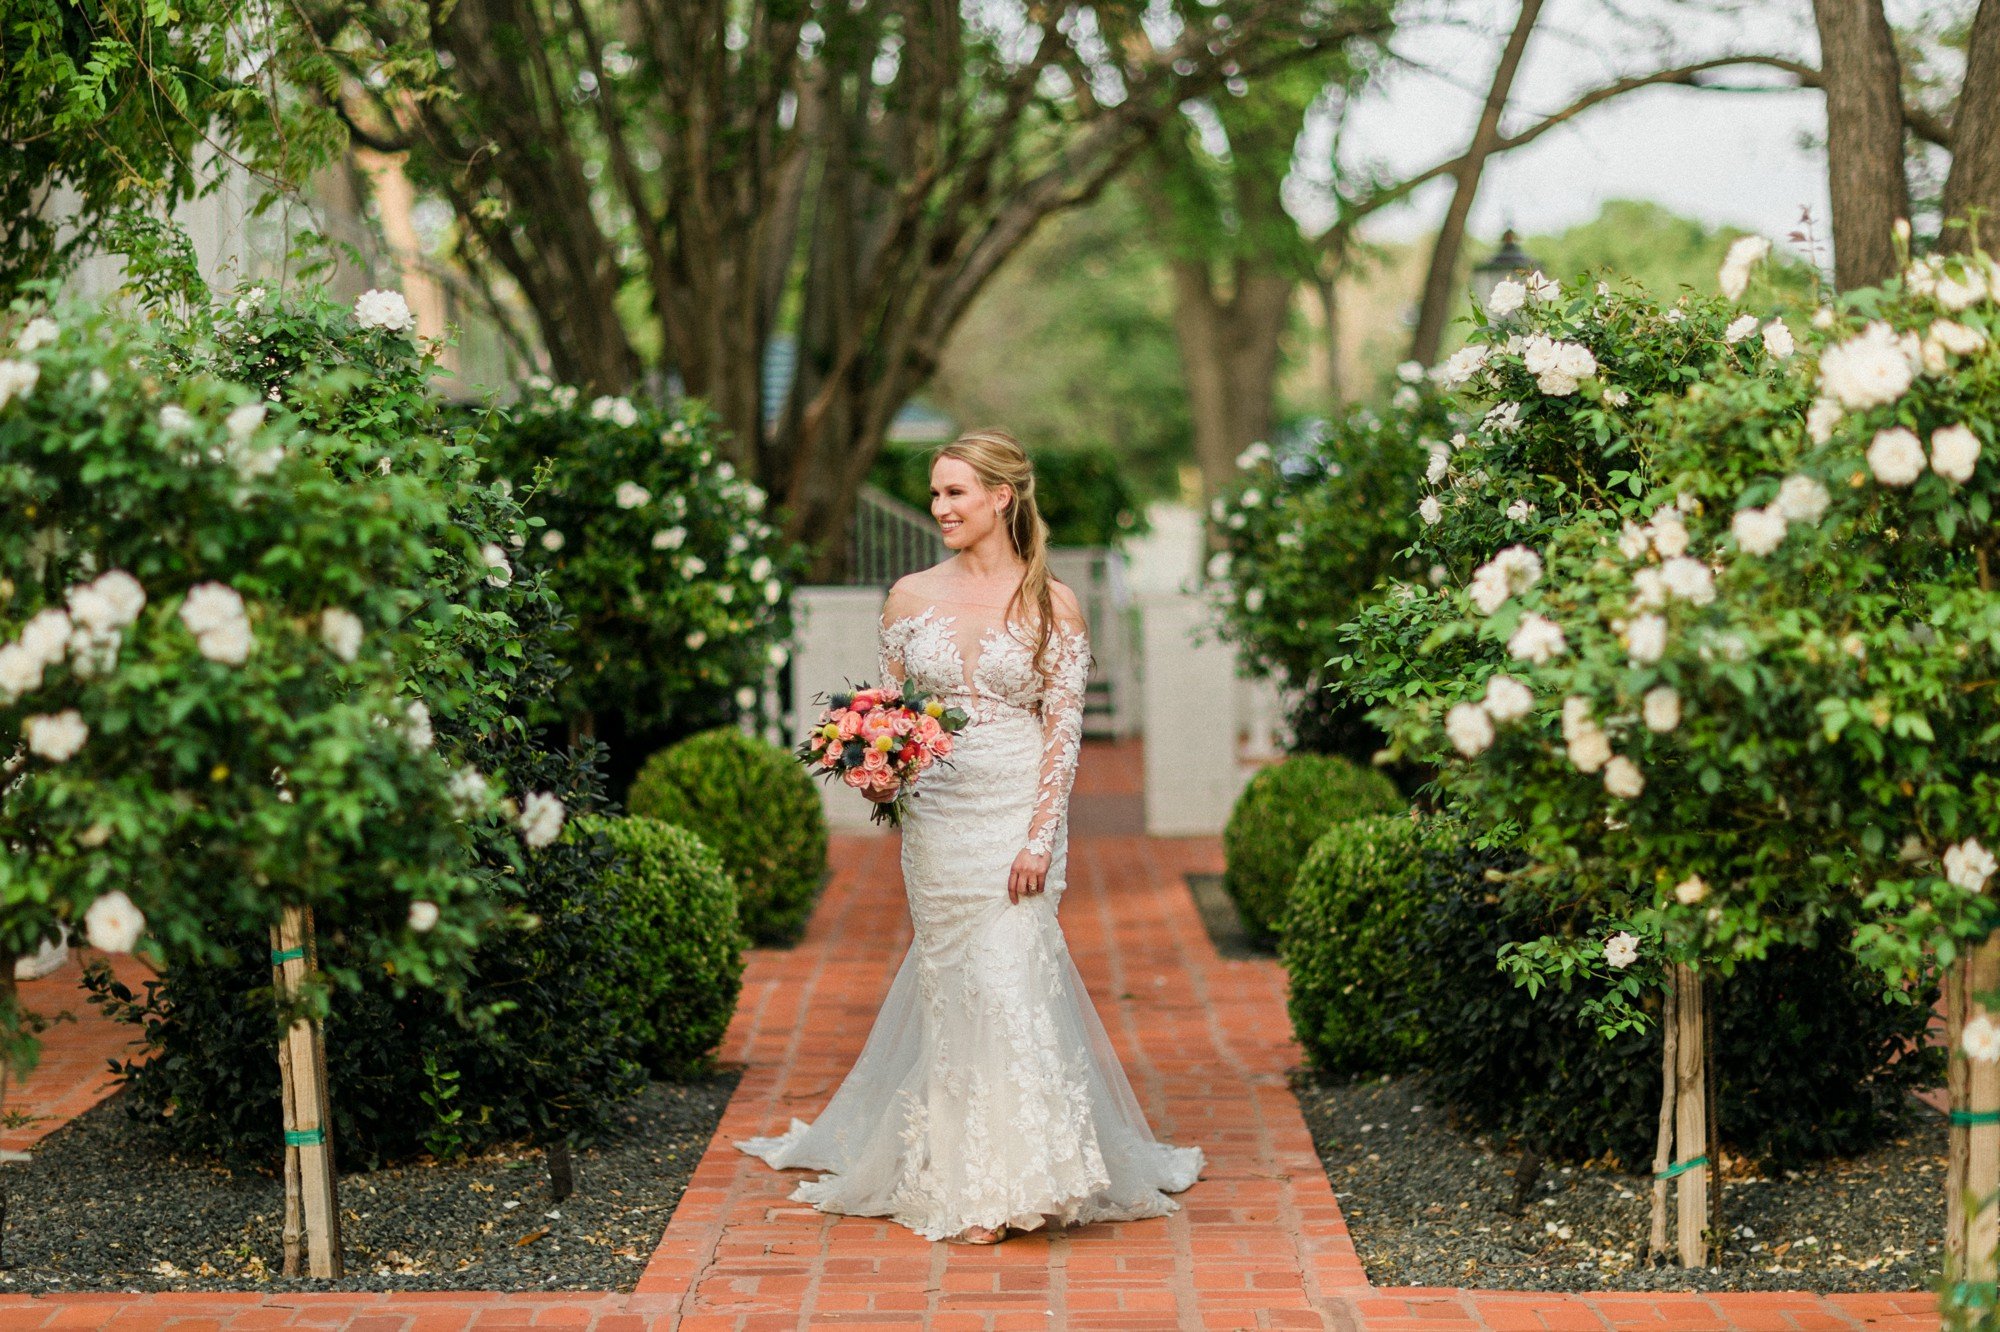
(879, 741)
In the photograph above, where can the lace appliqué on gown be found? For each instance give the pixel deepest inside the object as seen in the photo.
(988, 1093)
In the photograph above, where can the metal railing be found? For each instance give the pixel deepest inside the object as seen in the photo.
(889, 539)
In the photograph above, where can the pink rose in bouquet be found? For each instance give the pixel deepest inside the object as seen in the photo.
(878, 741)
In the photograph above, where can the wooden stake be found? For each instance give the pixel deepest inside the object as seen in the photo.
(1972, 1170)
(1663, 1148)
(1691, 1120)
(310, 1195)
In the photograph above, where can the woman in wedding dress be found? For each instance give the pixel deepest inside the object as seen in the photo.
(988, 1098)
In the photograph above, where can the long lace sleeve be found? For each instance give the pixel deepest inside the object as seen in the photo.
(889, 651)
(1062, 731)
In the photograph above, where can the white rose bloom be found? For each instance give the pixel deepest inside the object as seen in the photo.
(563, 396)
(696, 639)
(1778, 339)
(1253, 600)
(1537, 639)
(552, 540)
(1538, 354)
(1669, 534)
(623, 413)
(1503, 419)
(1958, 293)
(210, 606)
(55, 736)
(94, 652)
(1633, 541)
(1459, 441)
(17, 379)
(1440, 464)
(1218, 565)
(1739, 329)
(1543, 287)
(1430, 510)
(1921, 277)
(738, 543)
(1259, 452)
(1461, 365)
(1520, 511)
(20, 671)
(1616, 397)
(669, 538)
(1251, 498)
(467, 791)
(541, 818)
(243, 422)
(1690, 890)
(630, 494)
(1868, 370)
(340, 630)
(774, 592)
(250, 302)
(1507, 699)
(1470, 729)
(1821, 418)
(1508, 296)
(1745, 253)
(1649, 589)
(46, 634)
(39, 333)
(1661, 709)
(423, 915)
(1955, 337)
(1980, 1039)
(726, 471)
(777, 654)
(113, 924)
(1969, 865)
(1575, 360)
(417, 732)
(227, 643)
(174, 419)
(1410, 372)
(1758, 531)
(1954, 451)
(495, 559)
(1688, 579)
(1801, 499)
(384, 310)
(1590, 748)
(726, 593)
(1556, 384)
(1896, 457)
(1488, 589)
(1621, 950)
(760, 568)
(694, 566)
(1405, 398)
(1646, 639)
(1623, 779)
(1236, 522)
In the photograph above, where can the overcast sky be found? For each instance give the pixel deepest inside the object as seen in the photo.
(1739, 158)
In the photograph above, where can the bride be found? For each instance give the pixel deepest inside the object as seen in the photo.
(988, 1097)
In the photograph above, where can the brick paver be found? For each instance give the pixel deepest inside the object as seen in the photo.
(74, 1072)
(1260, 1242)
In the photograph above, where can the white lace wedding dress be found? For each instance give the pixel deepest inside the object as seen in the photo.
(988, 1093)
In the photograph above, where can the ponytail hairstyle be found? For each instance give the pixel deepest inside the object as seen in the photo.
(998, 459)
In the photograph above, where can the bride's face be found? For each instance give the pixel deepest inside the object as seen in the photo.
(966, 511)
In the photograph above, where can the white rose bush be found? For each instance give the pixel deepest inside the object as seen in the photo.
(1762, 645)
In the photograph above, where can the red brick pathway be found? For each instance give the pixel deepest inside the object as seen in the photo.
(75, 1069)
(1259, 1244)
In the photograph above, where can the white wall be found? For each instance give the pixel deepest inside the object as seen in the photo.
(835, 646)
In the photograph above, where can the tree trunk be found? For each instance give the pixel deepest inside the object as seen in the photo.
(1693, 1166)
(1864, 139)
(1663, 1142)
(1229, 354)
(312, 1203)
(1972, 1162)
(1974, 180)
(1328, 285)
(1440, 284)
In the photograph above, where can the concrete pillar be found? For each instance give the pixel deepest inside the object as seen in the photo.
(1189, 700)
(835, 646)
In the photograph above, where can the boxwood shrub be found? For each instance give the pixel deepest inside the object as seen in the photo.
(679, 966)
(1812, 1060)
(758, 809)
(1277, 819)
(1345, 943)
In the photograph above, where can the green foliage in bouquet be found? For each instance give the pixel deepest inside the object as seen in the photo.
(1354, 905)
(756, 807)
(678, 587)
(1281, 813)
(678, 968)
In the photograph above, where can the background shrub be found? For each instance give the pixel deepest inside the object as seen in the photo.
(1812, 1061)
(754, 804)
(1086, 494)
(1277, 819)
(1354, 904)
(679, 966)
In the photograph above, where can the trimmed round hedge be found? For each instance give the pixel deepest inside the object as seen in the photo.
(678, 968)
(1813, 1060)
(1283, 811)
(757, 807)
(1346, 944)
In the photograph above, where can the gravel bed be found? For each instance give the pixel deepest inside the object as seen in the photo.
(1426, 1204)
(103, 1205)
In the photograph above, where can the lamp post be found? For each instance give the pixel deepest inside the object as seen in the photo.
(1509, 261)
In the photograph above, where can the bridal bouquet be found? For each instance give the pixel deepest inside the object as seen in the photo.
(881, 740)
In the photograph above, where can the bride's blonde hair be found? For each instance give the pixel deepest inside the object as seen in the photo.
(998, 459)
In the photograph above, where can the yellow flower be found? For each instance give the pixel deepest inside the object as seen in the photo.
(831, 731)
(219, 773)
(934, 708)
(885, 743)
